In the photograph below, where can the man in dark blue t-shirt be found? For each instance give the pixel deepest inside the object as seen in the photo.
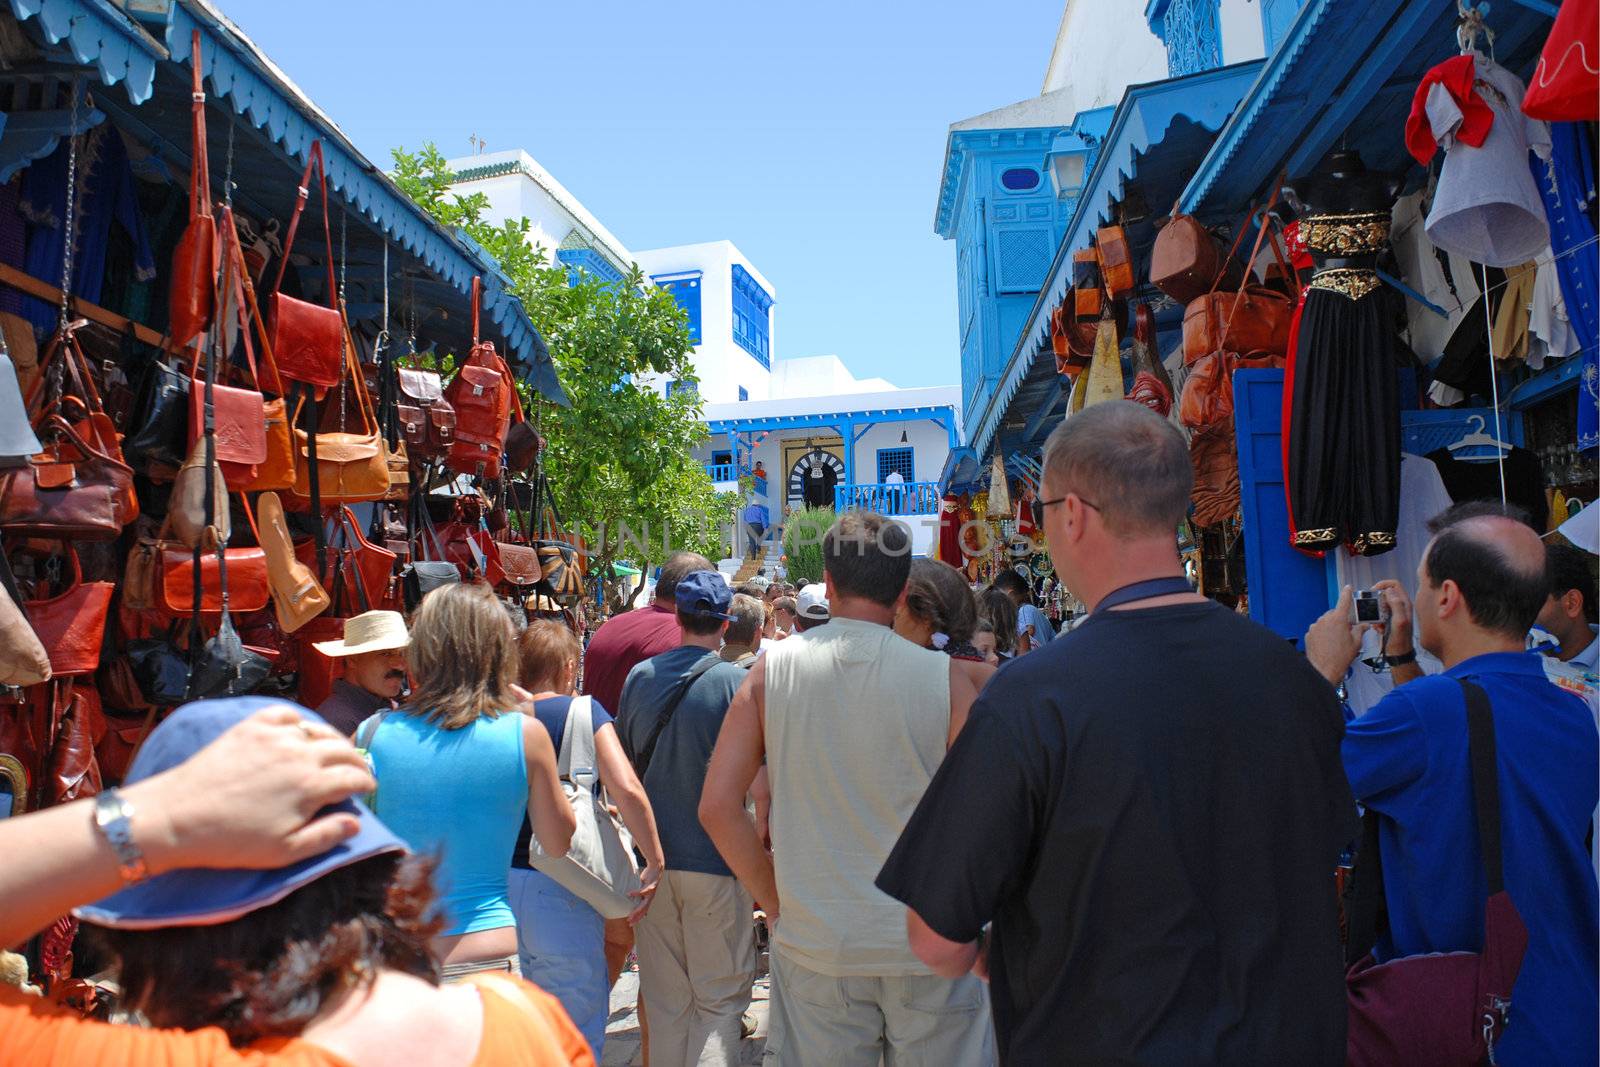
(1481, 583)
(696, 945)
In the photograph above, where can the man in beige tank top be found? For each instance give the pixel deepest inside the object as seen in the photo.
(852, 723)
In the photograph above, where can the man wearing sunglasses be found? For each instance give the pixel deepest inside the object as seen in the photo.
(1134, 832)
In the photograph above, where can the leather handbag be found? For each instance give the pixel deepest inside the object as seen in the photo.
(428, 569)
(341, 467)
(72, 624)
(1116, 261)
(359, 561)
(1438, 1009)
(598, 864)
(523, 445)
(1186, 261)
(161, 670)
(427, 421)
(77, 725)
(1207, 399)
(277, 469)
(120, 743)
(1252, 319)
(520, 566)
(297, 596)
(191, 300)
(1152, 385)
(247, 586)
(484, 396)
(1088, 296)
(23, 660)
(467, 543)
(307, 339)
(223, 666)
(241, 427)
(72, 490)
(191, 521)
(161, 414)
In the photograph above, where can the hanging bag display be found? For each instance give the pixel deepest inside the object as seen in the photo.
(1252, 319)
(192, 296)
(598, 864)
(340, 467)
(306, 338)
(276, 469)
(1116, 261)
(71, 625)
(297, 596)
(1439, 1009)
(484, 397)
(428, 569)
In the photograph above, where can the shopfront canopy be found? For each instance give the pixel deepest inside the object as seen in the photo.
(265, 148)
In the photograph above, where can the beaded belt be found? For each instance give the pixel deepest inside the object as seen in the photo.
(1343, 235)
(1353, 282)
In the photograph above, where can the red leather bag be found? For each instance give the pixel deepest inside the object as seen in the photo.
(78, 724)
(1116, 261)
(191, 302)
(307, 340)
(355, 560)
(276, 470)
(466, 542)
(72, 624)
(484, 396)
(247, 587)
(71, 490)
(240, 418)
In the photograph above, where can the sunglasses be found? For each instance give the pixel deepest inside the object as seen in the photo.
(1037, 507)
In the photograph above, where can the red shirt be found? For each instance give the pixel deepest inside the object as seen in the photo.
(620, 643)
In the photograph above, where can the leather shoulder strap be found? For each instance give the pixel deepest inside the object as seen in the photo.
(641, 763)
(1485, 782)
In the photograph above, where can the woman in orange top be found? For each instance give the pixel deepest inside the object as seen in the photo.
(264, 917)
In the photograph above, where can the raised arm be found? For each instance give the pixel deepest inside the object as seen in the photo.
(627, 793)
(734, 765)
(548, 810)
(249, 799)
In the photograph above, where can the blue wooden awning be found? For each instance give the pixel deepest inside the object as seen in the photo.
(1343, 74)
(100, 35)
(1158, 131)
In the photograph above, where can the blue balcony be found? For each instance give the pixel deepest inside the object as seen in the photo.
(721, 472)
(891, 498)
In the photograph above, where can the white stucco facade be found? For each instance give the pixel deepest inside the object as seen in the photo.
(516, 186)
(1102, 47)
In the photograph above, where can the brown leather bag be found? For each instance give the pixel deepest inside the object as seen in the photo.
(1253, 319)
(78, 724)
(1186, 261)
(1088, 294)
(1116, 261)
(297, 596)
(520, 565)
(306, 339)
(427, 421)
(186, 506)
(276, 470)
(23, 660)
(72, 490)
(191, 301)
(241, 427)
(173, 581)
(350, 467)
(72, 624)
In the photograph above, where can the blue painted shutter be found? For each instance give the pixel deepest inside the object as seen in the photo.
(1288, 589)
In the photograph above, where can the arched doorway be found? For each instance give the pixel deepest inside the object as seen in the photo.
(812, 478)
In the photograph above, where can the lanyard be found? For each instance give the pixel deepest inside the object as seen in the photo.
(1145, 590)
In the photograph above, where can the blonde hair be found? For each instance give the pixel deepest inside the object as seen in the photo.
(462, 656)
(544, 650)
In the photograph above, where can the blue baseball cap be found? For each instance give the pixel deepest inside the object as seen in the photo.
(705, 594)
(205, 896)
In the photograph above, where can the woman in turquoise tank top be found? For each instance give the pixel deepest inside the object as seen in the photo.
(460, 765)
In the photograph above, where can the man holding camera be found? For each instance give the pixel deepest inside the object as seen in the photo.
(1481, 583)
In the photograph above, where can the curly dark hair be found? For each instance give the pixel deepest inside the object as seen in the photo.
(271, 972)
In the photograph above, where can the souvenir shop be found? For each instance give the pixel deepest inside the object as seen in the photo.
(1375, 295)
(248, 390)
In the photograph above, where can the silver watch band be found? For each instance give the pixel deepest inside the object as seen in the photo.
(113, 818)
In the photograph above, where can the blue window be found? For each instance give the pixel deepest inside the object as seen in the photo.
(675, 387)
(744, 394)
(587, 259)
(685, 289)
(1020, 179)
(752, 308)
(895, 459)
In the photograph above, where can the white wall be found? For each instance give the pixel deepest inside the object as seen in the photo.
(722, 365)
(1242, 37)
(533, 193)
(1102, 47)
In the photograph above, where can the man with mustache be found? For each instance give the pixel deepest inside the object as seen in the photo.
(373, 652)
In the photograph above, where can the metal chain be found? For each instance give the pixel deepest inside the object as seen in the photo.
(70, 228)
(227, 174)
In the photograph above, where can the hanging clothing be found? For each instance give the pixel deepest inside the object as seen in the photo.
(1422, 496)
(1487, 206)
(1434, 275)
(1566, 84)
(1510, 333)
(1341, 442)
(950, 529)
(105, 194)
(1453, 79)
(1567, 187)
(1469, 479)
(1552, 334)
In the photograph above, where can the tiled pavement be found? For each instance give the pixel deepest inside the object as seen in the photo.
(623, 1046)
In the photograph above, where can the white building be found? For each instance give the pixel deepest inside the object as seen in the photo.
(806, 430)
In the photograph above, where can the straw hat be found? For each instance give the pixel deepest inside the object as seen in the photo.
(372, 631)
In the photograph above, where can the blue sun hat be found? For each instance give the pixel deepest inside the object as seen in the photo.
(203, 896)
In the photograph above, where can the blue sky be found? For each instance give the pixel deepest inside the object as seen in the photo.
(808, 132)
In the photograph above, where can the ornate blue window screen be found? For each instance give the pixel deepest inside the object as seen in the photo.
(895, 459)
(1192, 32)
(751, 315)
(685, 289)
(589, 260)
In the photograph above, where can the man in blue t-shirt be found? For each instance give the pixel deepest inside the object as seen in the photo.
(1481, 582)
(696, 945)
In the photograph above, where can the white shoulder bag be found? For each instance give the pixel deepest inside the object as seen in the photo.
(598, 867)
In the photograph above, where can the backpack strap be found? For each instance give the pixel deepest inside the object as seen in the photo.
(641, 762)
(1485, 782)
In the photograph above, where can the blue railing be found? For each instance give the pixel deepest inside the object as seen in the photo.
(721, 472)
(902, 498)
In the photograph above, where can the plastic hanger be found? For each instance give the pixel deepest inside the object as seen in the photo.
(1477, 438)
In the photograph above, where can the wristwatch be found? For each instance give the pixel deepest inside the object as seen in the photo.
(113, 818)
(1401, 660)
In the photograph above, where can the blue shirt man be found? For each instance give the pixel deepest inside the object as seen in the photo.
(1480, 585)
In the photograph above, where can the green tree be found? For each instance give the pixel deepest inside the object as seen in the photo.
(618, 457)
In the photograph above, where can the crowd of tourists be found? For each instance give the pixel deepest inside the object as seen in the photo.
(967, 839)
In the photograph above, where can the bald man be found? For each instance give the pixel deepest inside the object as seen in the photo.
(1480, 585)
